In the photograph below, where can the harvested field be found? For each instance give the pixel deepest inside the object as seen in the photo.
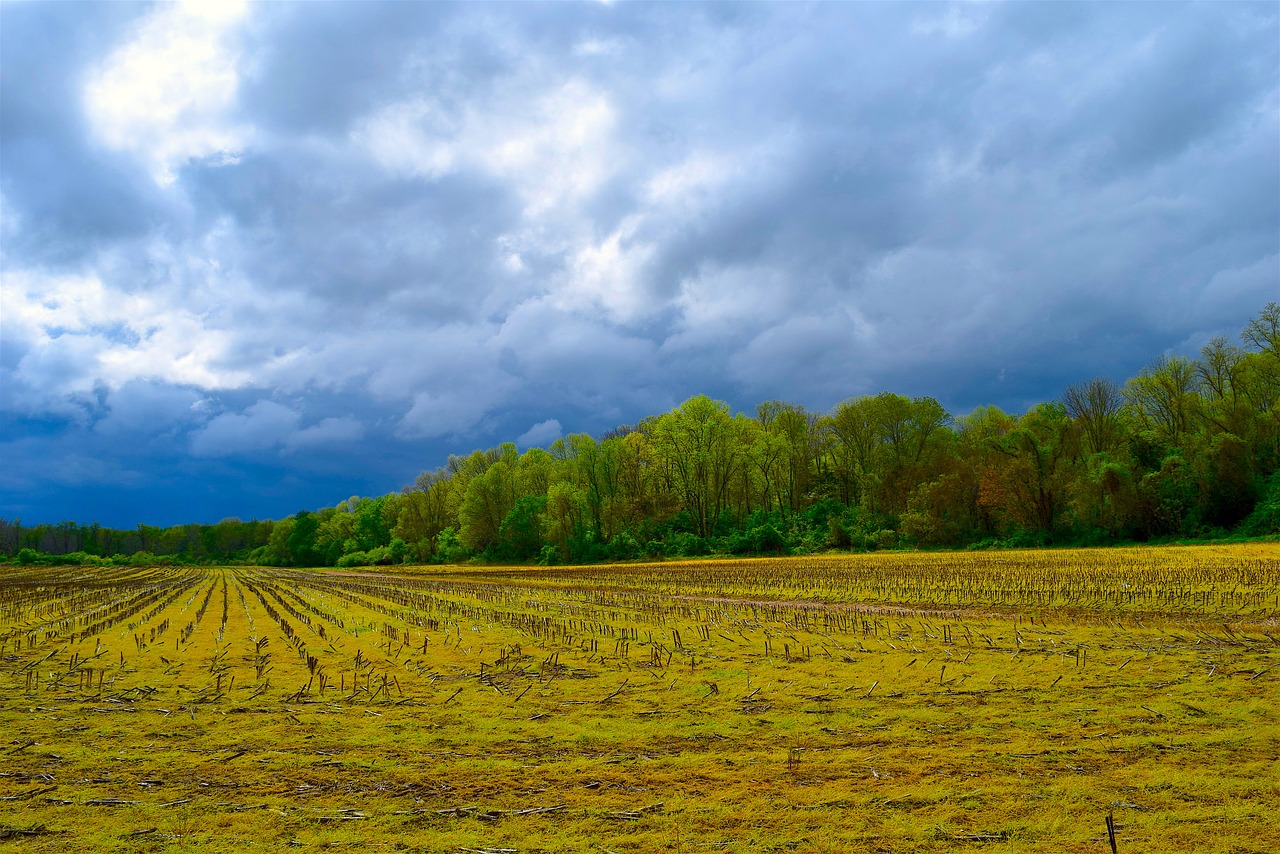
(901, 702)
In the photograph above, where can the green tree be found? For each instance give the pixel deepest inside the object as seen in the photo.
(277, 550)
(424, 513)
(795, 433)
(1039, 453)
(1263, 332)
(301, 542)
(907, 432)
(564, 520)
(487, 501)
(1164, 397)
(697, 446)
(520, 535)
(855, 431)
(336, 532)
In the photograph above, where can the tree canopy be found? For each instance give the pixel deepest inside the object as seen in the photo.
(1188, 448)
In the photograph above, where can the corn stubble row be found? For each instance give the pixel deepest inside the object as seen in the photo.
(800, 653)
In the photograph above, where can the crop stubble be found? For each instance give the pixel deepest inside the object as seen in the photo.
(902, 702)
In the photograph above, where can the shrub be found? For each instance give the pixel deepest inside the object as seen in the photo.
(837, 534)
(449, 549)
(623, 547)
(882, 539)
(1265, 518)
(681, 544)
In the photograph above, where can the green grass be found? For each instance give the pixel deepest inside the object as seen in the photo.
(879, 703)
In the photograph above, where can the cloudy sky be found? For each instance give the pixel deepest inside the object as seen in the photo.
(260, 258)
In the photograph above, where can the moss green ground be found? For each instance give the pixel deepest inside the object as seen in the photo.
(879, 703)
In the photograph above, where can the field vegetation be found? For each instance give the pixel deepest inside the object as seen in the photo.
(894, 702)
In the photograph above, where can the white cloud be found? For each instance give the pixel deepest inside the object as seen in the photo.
(166, 94)
(598, 47)
(614, 273)
(270, 426)
(824, 349)
(959, 21)
(413, 137)
(735, 299)
(571, 350)
(449, 412)
(78, 332)
(554, 147)
(432, 359)
(264, 425)
(144, 408)
(55, 375)
(701, 173)
(610, 274)
(563, 151)
(10, 219)
(540, 434)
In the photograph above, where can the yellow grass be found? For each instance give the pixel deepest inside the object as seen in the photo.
(907, 702)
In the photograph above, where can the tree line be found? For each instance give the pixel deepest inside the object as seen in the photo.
(1189, 448)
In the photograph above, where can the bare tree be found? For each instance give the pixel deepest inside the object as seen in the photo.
(1095, 407)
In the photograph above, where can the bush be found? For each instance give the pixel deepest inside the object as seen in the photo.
(623, 547)
(819, 516)
(449, 549)
(378, 556)
(79, 559)
(882, 539)
(767, 539)
(739, 543)
(1265, 518)
(354, 559)
(1025, 540)
(681, 544)
(837, 534)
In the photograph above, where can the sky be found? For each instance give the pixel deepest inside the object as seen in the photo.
(258, 258)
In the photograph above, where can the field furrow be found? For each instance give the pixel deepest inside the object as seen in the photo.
(912, 703)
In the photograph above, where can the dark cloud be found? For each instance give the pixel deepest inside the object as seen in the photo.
(260, 261)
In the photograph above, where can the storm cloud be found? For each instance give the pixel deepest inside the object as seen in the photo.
(258, 258)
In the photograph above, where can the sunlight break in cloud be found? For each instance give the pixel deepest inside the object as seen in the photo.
(611, 275)
(165, 94)
(554, 147)
(79, 333)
